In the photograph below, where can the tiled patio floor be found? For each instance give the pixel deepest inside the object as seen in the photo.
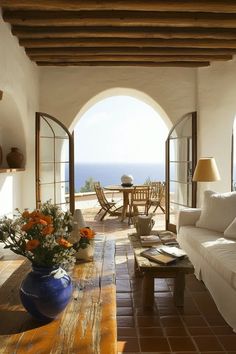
(198, 327)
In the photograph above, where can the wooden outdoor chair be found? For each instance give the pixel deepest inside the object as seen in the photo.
(107, 207)
(139, 203)
(157, 196)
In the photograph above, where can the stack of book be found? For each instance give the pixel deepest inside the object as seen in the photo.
(150, 240)
(164, 254)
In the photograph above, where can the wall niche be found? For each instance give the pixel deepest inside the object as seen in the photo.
(11, 131)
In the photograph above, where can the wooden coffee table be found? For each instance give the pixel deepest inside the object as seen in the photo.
(151, 270)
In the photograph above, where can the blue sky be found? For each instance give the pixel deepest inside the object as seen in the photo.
(120, 129)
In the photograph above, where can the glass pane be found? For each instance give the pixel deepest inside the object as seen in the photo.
(184, 128)
(61, 150)
(181, 171)
(47, 173)
(181, 193)
(46, 150)
(61, 172)
(174, 209)
(62, 192)
(50, 128)
(179, 149)
(47, 192)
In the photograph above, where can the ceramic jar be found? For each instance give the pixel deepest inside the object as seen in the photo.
(127, 180)
(15, 158)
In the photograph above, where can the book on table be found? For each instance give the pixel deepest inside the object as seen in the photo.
(150, 240)
(173, 251)
(154, 254)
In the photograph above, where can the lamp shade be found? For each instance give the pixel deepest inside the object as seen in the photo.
(206, 170)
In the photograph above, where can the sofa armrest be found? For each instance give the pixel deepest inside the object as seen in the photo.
(188, 216)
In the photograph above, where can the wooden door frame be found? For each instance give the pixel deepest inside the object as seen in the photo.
(38, 116)
(170, 226)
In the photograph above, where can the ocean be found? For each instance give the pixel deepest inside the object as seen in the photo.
(108, 174)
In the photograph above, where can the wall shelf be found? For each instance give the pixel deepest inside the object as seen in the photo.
(9, 170)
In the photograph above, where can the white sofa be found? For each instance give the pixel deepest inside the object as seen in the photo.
(208, 235)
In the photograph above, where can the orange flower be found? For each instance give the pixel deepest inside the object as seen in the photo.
(47, 218)
(31, 245)
(87, 232)
(25, 214)
(47, 230)
(64, 243)
(27, 226)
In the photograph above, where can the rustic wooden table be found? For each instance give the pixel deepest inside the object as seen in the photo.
(151, 270)
(87, 325)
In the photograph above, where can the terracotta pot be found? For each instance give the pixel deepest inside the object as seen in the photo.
(15, 158)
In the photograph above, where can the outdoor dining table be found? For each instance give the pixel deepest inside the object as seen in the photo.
(126, 192)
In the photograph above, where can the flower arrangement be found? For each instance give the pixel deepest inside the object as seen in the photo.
(86, 236)
(42, 236)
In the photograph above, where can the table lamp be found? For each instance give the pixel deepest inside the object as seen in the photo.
(206, 170)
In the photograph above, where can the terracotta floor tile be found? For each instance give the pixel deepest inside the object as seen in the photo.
(124, 302)
(222, 330)
(125, 321)
(148, 321)
(175, 331)
(123, 295)
(181, 344)
(146, 311)
(124, 311)
(161, 285)
(197, 331)
(123, 285)
(171, 321)
(194, 321)
(154, 344)
(150, 331)
(126, 332)
(208, 343)
(228, 342)
(215, 320)
(127, 345)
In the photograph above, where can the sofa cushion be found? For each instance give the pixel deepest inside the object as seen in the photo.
(231, 230)
(219, 210)
(216, 250)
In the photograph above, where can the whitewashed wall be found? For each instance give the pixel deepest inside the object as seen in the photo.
(217, 110)
(64, 91)
(19, 83)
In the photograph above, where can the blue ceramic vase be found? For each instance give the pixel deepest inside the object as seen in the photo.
(45, 292)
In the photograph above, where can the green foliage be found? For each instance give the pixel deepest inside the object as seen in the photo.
(88, 185)
(147, 181)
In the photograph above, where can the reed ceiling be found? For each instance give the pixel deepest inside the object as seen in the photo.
(186, 33)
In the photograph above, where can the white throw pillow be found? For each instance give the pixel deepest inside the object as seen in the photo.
(231, 230)
(218, 211)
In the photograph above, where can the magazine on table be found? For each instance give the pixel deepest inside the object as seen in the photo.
(150, 240)
(154, 254)
(173, 251)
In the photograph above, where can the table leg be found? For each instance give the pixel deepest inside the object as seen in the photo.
(179, 286)
(125, 205)
(137, 272)
(148, 291)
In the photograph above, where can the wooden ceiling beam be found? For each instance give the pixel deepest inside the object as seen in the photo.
(132, 63)
(120, 19)
(24, 32)
(127, 51)
(139, 43)
(135, 5)
(129, 58)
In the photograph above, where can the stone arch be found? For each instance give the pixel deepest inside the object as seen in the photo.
(124, 92)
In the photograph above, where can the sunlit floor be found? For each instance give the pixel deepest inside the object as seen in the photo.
(198, 327)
